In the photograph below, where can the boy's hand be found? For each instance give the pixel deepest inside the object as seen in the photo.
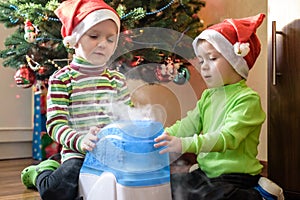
(89, 141)
(172, 143)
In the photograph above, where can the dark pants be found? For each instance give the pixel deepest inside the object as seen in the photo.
(61, 184)
(197, 186)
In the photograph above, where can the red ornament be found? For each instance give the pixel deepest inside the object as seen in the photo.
(126, 36)
(195, 16)
(24, 77)
(42, 71)
(136, 61)
(127, 32)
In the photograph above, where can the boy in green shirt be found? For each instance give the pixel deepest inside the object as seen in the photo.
(223, 129)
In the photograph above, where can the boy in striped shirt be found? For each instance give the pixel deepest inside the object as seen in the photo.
(80, 95)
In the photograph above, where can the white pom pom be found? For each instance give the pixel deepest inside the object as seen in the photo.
(70, 41)
(241, 49)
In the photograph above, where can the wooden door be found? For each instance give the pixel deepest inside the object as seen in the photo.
(284, 96)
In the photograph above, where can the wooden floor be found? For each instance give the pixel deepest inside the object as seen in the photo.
(11, 187)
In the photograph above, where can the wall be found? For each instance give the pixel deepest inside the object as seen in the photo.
(15, 113)
(216, 11)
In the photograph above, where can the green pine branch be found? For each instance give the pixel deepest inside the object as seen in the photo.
(177, 15)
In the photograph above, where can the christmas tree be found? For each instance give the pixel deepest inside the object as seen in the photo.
(36, 46)
(152, 39)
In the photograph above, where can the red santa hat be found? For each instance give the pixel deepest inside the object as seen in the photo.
(236, 40)
(78, 16)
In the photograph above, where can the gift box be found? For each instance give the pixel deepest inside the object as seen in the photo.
(42, 145)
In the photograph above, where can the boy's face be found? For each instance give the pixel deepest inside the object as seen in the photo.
(215, 70)
(98, 44)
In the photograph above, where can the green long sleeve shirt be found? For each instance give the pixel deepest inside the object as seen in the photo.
(223, 130)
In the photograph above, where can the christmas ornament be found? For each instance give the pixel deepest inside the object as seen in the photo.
(44, 72)
(32, 64)
(182, 76)
(41, 88)
(24, 77)
(167, 70)
(126, 37)
(137, 60)
(31, 32)
(195, 16)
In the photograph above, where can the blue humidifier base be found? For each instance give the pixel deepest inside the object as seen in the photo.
(124, 165)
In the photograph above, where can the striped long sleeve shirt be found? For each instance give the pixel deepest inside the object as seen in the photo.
(76, 101)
